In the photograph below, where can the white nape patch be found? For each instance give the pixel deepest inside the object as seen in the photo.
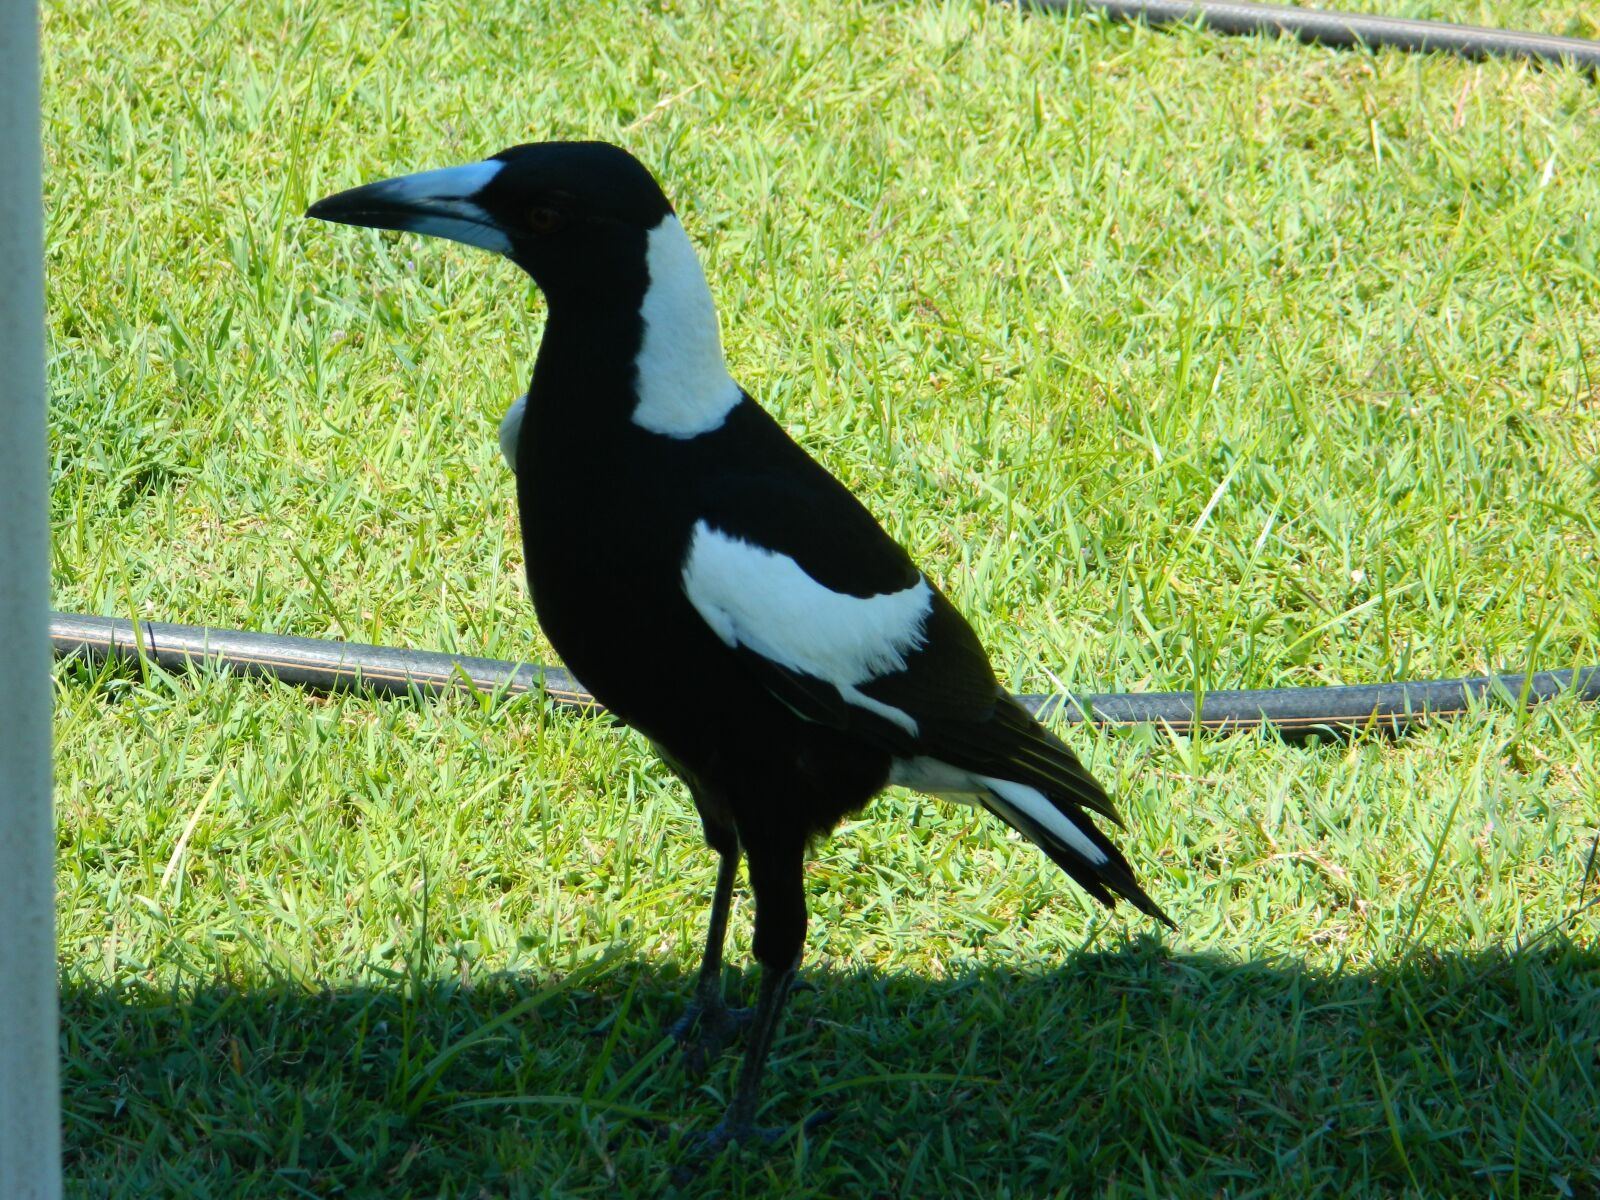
(683, 385)
(765, 601)
(511, 430)
(938, 778)
(445, 210)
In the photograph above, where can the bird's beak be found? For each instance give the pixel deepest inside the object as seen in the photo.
(441, 203)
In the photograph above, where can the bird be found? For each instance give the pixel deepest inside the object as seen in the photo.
(714, 586)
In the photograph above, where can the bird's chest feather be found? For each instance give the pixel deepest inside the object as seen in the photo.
(606, 523)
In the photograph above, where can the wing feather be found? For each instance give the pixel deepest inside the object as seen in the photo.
(946, 686)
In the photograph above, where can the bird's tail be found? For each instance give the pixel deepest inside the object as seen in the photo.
(1064, 832)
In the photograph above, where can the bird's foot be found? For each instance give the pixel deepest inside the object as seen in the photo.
(748, 1133)
(702, 1148)
(744, 1132)
(705, 1029)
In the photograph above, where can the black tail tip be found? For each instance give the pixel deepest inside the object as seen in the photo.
(1151, 909)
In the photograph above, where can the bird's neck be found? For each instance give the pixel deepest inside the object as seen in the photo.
(653, 347)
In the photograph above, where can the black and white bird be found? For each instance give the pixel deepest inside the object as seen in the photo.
(711, 584)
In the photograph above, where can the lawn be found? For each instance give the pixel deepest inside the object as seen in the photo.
(1180, 361)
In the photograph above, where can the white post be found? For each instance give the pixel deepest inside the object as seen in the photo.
(30, 1099)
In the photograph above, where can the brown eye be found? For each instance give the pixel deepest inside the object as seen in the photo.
(544, 219)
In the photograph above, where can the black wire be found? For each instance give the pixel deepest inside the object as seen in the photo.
(1294, 713)
(1324, 27)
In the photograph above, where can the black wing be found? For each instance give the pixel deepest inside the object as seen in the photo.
(781, 500)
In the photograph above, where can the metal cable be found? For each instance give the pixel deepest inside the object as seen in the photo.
(1295, 713)
(1325, 27)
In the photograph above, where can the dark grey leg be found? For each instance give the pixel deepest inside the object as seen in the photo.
(776, 880)
(708, 989)
(739, 1122)
(716, 1022)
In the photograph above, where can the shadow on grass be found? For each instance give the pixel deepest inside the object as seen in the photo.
(1133, 1071)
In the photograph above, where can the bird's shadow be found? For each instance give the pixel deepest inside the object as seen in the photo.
(1133, 1070)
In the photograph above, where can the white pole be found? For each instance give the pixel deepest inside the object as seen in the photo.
(30, 1099)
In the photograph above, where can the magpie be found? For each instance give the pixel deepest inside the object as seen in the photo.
(716, 588)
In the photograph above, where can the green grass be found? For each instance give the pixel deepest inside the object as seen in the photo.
(1180, 361)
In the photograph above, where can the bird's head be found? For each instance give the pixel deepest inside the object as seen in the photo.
(562, 211)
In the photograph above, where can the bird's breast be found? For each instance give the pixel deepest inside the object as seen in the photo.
(603, 550)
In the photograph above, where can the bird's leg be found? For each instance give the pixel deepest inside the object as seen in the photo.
(708, 1023)
(739, 1121)
(776, 880)
(708, 988)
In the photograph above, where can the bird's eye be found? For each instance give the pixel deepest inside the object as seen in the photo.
(544, 219)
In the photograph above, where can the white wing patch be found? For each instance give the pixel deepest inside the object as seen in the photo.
(764, 601)
(683, 385)
(511, 430)
(938, 778)
(925, 774)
